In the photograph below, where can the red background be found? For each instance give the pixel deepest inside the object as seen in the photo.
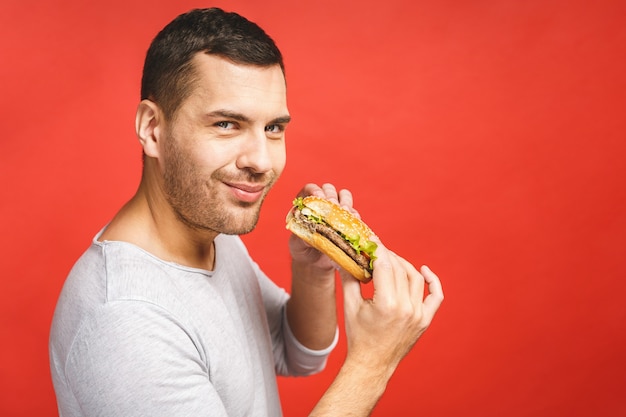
(484, 138)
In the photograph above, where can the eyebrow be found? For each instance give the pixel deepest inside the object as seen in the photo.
(281, 120)
(245, 119)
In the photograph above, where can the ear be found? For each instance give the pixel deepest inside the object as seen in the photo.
(148, 125)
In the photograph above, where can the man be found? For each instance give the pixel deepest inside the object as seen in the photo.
(166, 314)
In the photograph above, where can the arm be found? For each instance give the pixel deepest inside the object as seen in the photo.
(380, 332)
(311, 310)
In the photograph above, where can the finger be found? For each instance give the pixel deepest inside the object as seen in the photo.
(346, 200)
(330, 192)
(399, 279)
(413, 285)
(311, 189)
(383, 276)
(435, 291)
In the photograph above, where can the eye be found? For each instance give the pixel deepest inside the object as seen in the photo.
(225, 125)
(275, 128)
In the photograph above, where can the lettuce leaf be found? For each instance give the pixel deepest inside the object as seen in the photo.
(368, 247)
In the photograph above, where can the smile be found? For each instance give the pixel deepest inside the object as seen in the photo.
(249, 193)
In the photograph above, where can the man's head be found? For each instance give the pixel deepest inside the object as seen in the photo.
(169, 74)
(212, 120)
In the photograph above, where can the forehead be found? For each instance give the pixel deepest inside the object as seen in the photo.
(245, 88)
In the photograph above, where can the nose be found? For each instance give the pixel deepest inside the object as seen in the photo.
(255, 153)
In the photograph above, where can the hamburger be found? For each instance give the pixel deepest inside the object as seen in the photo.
(336, 232)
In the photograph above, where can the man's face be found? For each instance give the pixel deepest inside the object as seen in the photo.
(225, 146)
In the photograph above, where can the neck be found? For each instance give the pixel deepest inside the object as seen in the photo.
(149, 222)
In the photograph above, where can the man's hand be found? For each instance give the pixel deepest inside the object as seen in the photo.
(380, 331)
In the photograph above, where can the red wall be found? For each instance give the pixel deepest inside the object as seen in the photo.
(484, 138)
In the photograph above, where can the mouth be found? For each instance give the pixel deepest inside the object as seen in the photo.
(246, 192)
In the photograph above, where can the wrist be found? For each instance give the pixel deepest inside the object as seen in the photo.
(317, 275)
(369, 369)
(355, 390)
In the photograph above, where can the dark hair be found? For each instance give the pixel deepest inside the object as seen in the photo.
(168, 72)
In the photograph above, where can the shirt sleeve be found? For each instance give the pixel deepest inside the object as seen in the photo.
(302, 360)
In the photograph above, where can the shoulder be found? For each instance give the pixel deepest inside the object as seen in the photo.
(109, 272)
(134, 274)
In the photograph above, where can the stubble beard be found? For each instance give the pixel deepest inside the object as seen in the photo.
(198, 202)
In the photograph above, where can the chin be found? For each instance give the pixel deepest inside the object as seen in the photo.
(237, 232)
(241, 222)
(241, 229)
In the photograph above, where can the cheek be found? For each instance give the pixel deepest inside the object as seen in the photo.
(279, 157)
(212, 158)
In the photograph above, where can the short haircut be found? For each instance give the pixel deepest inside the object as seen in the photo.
(168, 73)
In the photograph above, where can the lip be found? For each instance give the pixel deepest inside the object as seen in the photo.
(249, 193)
